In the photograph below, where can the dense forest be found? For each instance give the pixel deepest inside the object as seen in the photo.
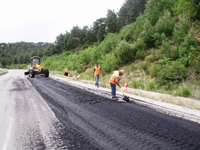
(161, 38)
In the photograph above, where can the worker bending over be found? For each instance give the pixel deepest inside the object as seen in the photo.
(96, 74)
(115, 78)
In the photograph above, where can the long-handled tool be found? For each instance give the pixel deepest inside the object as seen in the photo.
(125, 98)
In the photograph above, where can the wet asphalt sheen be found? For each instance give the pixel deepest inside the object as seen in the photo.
(43, 113)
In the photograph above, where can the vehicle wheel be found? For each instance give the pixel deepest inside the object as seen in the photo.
(46, 72)
(32, 74)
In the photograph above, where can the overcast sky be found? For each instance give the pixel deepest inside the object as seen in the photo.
(43, 20)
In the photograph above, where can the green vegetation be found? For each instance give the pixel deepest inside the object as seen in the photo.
(156, 43)
(2, 72)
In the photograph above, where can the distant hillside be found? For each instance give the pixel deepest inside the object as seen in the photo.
(160, 50)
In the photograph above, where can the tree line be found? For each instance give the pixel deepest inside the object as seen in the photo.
(77, 39)
(20, 52)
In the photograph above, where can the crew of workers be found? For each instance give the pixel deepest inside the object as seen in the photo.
(114, 80)
(97, 71)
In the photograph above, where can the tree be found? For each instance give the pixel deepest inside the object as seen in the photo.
(99, 27)
(154, 9)
(15, 61)
(77, 36)
(60, 43)
(3, 62)
(181, 29)
(111, 22)
(90, 36)
(165, 24)
(130, 10)
(192, 7)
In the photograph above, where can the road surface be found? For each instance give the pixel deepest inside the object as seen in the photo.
(43, 113)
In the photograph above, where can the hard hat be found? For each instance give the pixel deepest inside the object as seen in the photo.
(122, 71)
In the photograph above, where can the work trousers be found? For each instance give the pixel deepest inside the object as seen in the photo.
(113, 89)
(97, 80)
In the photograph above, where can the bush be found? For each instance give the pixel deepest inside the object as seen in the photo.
(156, 53)
(171, 74)
(141, 54)
(138, 84)
(155, 8)
(186, 92)
(159, 38)
(140, 48)
(95, 55)
(196, 26)
(187, 6)
(181, 29)
(154, 70)
(17, 66)
(109, 43)
(150, 58)
(169, 50)
(127, 32)
(187, 50)
(196, 64)
(85, 57)
(144, 66)
(150, 86)
(165, 24)
(138, 27)
(135, 84)
(108, 63)
(166, 60)
(124, 52)
(147, 34)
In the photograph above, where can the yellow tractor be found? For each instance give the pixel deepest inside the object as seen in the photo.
(36, 68)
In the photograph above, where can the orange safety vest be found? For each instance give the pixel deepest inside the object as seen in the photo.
(114, 77)
(97, 70)
(66, 70)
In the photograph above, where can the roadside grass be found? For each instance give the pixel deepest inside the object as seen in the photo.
(2, 72)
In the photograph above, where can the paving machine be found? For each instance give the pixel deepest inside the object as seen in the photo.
(36, 68)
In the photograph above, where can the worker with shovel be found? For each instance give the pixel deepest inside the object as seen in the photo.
(114, 80)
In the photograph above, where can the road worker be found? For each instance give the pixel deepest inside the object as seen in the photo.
(96, 73)
(115, 78)
(66, 71)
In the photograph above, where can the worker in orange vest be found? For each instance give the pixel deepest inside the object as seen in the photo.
(66, 71)
(96, 73)
(114, 80)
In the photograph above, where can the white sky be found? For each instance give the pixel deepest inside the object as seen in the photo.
(43, 20)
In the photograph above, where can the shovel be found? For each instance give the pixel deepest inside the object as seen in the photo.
(125, 98)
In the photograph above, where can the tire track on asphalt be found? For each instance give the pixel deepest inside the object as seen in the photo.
(72, 134)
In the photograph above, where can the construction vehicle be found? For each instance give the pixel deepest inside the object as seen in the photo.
(36, 68)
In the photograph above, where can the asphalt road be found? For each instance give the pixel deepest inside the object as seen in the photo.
(63, 116)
